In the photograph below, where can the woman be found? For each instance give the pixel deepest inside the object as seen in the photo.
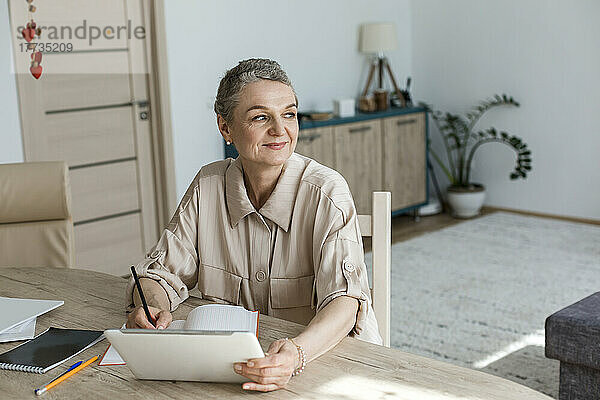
(271, 230)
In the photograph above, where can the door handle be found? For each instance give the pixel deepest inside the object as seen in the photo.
(360, 129)
(309, 138)
(406, 121)
(145, 114)
(139, 103)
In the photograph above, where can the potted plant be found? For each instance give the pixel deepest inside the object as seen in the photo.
(461, 141)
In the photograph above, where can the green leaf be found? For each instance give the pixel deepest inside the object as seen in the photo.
(457, 132)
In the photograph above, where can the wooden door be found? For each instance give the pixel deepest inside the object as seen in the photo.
(318, 144)
(91, 108)
(404, 159)
(358, 159)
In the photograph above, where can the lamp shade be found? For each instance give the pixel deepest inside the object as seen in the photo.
(378, 37)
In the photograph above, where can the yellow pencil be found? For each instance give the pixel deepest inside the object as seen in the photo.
(65, 376)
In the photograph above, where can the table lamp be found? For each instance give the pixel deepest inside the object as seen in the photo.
(375, 39)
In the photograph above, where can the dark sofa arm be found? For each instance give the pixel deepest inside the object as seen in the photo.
(573, 333)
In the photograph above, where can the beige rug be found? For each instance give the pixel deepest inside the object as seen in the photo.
(477, 294)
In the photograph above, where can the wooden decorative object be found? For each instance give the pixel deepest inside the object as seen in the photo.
(367, 104)
(381, 100)
(380, 63)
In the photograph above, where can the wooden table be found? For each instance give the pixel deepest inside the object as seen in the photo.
(352, 370)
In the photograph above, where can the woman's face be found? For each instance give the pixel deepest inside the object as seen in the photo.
(265, 124)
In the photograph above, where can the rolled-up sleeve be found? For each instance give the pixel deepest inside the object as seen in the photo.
(173, 262)
(341, 269)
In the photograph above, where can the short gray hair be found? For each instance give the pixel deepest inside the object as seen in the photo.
(247, 71)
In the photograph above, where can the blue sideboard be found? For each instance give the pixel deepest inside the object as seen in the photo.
(374, 151)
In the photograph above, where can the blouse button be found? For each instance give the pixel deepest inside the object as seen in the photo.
(349, 267)
(261, 276)
(155, 254)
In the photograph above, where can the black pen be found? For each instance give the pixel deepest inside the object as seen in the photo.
(139, 288)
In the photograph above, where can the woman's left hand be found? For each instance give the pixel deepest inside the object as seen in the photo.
(271, 372)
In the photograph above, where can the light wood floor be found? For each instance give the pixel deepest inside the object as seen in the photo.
(404, 227)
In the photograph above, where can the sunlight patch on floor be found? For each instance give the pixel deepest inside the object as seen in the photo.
(534, 339)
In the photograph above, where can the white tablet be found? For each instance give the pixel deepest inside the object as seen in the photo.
(183, 355)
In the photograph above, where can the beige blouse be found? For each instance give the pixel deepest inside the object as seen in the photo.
(289, 259)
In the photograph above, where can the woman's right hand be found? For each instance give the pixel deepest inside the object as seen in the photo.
(137, 318)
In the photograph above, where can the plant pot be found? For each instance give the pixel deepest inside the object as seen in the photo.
(466, 201)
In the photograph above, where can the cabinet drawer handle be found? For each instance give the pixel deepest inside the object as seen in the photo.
(360, 129)
(309, 138)
(406, 121)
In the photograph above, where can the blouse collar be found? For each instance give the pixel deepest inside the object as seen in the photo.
(278, 207)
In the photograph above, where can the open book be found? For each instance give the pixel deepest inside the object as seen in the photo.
(209, 317)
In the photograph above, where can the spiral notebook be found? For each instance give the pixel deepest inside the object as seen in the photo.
(48, 350)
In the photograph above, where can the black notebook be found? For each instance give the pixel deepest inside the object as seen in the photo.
(49, 350)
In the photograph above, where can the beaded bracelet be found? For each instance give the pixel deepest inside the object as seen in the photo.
(301, 357)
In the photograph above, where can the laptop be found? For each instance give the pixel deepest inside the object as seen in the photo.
(184, 355)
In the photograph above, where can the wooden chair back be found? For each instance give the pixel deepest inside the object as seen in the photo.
(379, 227)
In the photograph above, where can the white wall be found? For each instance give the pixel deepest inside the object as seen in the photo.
(544, 53)
(315, 41)
(11, 147)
